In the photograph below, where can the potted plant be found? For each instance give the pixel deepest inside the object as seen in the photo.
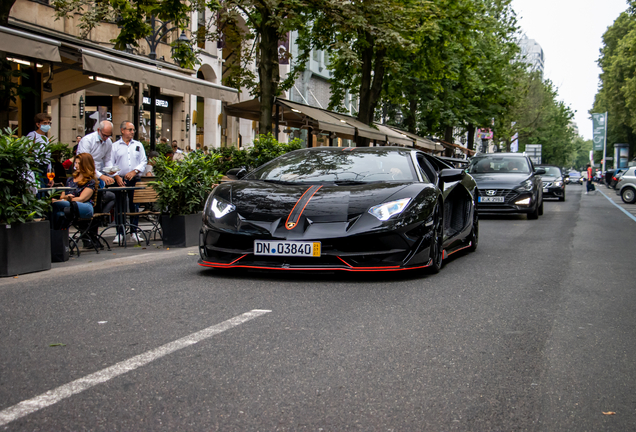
(182, 187)
(25, 244)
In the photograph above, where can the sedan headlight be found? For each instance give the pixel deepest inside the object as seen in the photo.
(220, 207)
(386, 210)
(558, 183)
(525, 186)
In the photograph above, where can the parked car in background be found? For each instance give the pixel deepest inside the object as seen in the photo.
(553, 183)
(626, 187)
(574, 177)
(507, 183)
(616, 176)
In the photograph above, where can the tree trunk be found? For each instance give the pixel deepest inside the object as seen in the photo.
(448, 137)
(471, 136)
(372, 77)
(268, 72)
(410, 120)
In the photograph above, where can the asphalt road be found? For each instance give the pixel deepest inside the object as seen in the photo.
(534, 331)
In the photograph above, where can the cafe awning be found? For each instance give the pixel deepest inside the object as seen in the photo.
(111, 66)
(454, 146)
(325, 120)
(293, 114)
(395, 136)
(364, 130)
(29, 45)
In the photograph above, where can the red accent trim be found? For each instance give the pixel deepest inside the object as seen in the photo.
(353, 269)
(224, 265)
(387, 267)
(301, 212)
(460, 249)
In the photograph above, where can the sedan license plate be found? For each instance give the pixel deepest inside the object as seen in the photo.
(287, 248)
(498, 199)
(545, 190)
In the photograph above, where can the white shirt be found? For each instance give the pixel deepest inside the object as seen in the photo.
(100, 150)
(128, 157)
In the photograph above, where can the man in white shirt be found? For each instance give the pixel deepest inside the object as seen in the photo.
(99, 145)
(129, 155)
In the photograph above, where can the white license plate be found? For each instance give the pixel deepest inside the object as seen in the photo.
(287, 248)
(491, 199)
(545, 190)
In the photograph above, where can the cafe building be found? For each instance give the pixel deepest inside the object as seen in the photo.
(81, 82)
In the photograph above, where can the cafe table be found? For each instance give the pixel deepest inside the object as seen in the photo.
(120, 222)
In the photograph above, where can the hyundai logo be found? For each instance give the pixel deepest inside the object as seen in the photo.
(491, 192)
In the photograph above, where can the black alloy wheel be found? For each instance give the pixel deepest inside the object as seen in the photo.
(534, 214)
(437, 240)
(474, 233)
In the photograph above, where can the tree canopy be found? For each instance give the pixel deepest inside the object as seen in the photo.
(617, 89)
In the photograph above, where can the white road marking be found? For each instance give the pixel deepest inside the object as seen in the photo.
(51, 397)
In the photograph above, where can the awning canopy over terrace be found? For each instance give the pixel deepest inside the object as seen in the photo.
(294, 114)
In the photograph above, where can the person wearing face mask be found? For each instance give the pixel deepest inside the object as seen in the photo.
(43, 124)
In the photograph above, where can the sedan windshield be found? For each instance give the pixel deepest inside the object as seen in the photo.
(338, 165)
(498, 164)
(552, 171)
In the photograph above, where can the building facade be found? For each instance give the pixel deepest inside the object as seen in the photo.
(532, 54)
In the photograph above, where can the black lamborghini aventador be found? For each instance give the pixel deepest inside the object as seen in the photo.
(352, 209)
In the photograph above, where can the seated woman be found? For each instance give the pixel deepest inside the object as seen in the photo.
(78, 202)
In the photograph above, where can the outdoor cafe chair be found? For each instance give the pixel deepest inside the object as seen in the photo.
(84, 229)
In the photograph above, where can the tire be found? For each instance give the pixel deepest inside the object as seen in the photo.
(474, 233)
(563, 197)
(540, 211)
(534, 214)
(628, 195)
(436, 249)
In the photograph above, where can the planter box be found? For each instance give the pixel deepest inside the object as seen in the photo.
(182, 230)
(25, 248)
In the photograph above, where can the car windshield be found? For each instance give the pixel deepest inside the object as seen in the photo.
(552, 171)
(498, 164)
(338, 165)
(574, 174)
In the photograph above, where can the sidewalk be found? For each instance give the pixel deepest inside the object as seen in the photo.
(611, 194)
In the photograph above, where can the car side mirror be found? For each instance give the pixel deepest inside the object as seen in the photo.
(450, 175)
(238, 173)
(539, 171)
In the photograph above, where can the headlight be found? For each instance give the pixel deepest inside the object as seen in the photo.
(558, 183)
(220, 208)
(525, 186)
(386, 210)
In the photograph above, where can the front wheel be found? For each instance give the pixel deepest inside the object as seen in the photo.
(534, 214)
(541, 208)
(437, 241)
(628, 195)
(474, 233)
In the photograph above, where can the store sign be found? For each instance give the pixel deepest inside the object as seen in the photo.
(82, 107)
(158, 102)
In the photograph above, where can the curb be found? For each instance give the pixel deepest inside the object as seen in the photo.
(110, 263)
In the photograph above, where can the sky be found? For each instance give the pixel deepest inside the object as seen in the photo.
(570, 33)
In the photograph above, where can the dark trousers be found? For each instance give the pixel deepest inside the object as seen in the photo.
(132, 207)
